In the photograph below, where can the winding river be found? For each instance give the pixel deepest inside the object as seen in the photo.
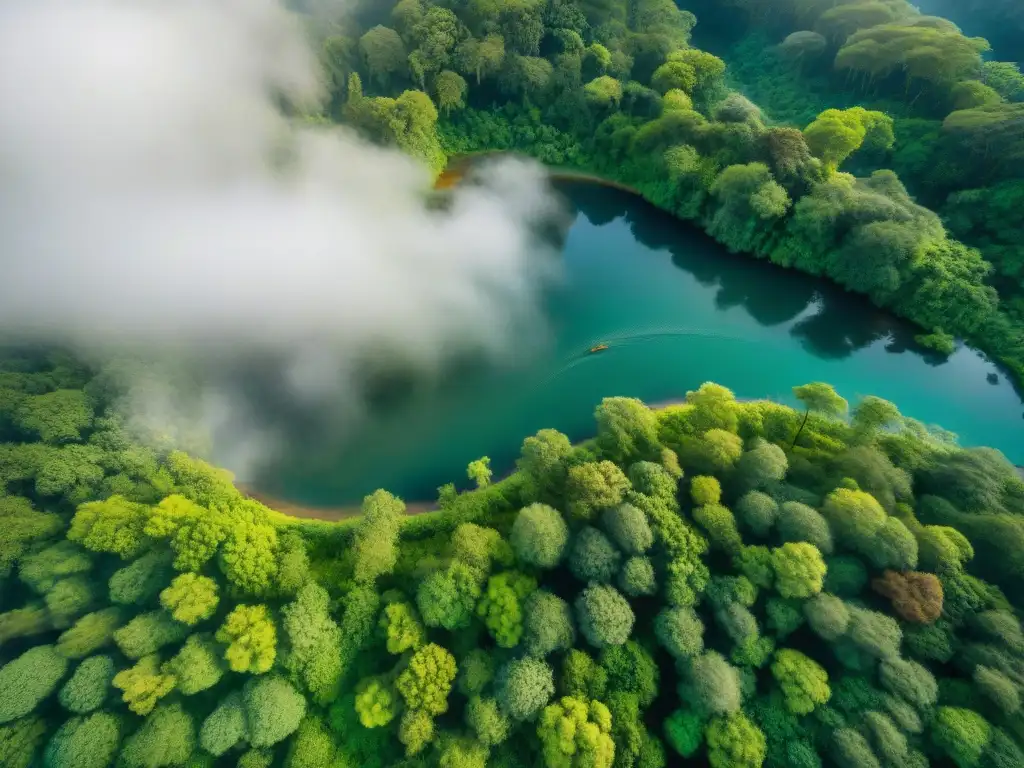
(676, 310)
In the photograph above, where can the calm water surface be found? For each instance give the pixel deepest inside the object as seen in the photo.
(677, 310)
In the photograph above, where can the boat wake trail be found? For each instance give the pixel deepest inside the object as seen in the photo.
(627, 339)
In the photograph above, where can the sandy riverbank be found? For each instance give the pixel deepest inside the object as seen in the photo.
(323, 513)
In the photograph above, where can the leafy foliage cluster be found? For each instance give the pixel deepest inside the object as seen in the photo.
(733, 582)
(956, 107)
(818, 183)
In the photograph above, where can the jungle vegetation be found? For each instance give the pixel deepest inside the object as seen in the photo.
(863, 141)
(740, 584)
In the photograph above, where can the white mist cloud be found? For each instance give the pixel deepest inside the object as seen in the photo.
(141, 203)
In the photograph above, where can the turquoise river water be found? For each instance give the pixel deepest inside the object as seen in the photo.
(676, 310)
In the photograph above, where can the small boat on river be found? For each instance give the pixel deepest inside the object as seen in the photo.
(598, 348)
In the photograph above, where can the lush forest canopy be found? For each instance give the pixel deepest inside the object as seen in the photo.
(737, 583)
(884, 149)
(743, 584)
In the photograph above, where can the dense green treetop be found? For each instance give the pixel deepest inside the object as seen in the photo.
(846, 626)
(741, 584)
(617, 88)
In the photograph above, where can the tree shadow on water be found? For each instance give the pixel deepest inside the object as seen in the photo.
(769, 295)
(904, 342)
(599, 204)
(835, 333)
(840, 324)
